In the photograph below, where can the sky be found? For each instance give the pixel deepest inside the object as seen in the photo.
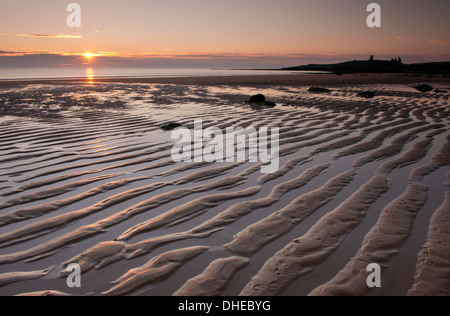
(234, 33)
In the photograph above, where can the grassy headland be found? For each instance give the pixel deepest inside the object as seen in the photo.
(378, 66)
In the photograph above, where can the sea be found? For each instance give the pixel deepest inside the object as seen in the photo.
(90, 73)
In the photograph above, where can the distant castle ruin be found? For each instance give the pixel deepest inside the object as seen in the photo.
(394, 60)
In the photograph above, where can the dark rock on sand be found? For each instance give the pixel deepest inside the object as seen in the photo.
(367, 94)
(257, 98)
(170, 126)
(424, 88)
(318, 90)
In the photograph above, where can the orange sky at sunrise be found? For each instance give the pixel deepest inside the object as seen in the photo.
(286, 31)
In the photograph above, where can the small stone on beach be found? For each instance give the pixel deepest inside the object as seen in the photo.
(257, 98)
(424, 88)
(260, 100)
(367, 94)
(170, 126)
(318, 90)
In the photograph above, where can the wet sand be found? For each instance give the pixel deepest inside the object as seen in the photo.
(290, 79)
(87, 177)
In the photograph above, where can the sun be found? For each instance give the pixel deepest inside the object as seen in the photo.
(88, 55)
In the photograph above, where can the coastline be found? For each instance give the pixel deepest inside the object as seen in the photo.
(288, 80)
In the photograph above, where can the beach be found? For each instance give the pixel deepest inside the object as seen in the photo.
(87, 178)
(290, 78)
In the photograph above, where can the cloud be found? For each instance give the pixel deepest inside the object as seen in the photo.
(437, 42)
(163, 60)
(49, 35)
(10, 53)
(20, 57)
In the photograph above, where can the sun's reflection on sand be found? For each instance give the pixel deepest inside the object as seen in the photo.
(90, 75)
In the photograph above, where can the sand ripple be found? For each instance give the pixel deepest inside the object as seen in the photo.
(87, 178)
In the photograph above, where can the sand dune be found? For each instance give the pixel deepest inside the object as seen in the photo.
(44, 293)
(432, 276)
(380, 244)
(12, 277)
(156, 270)
(214, 279)
(442, 158)
(87, 178)
(307, 252)
(278, 223)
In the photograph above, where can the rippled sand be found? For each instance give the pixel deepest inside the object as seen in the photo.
(87, 178)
